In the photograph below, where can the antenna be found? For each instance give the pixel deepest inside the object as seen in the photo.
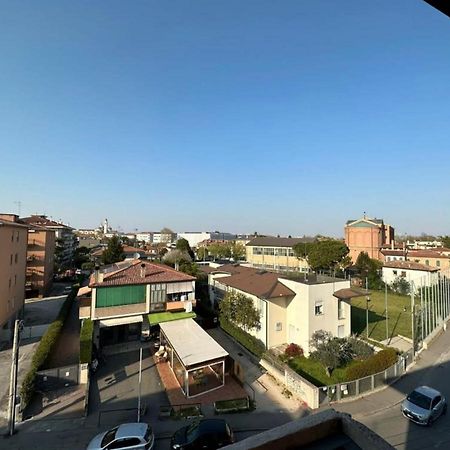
(19, 206)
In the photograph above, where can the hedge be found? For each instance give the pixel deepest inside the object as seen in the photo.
(44, 349)
(374, 364)
(251, 343)
(87, 329)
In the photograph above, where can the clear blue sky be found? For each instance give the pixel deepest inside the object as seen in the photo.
(281, 117)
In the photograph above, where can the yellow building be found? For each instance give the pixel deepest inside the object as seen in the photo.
(275, 253)
(439, 258)
(13, 258)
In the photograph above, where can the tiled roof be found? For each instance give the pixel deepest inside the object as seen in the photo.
(42, 220)
(409, 265)
(257, 282)
(349, 293)
(271, 241)
(141, 272)
(387, 252)
(426, 254)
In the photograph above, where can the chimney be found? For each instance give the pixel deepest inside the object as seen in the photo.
(143, 270)
(96, 274)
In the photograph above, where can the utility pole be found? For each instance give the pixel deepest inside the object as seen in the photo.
(139, 389)
(13, 379)
(367, 307)
(412, 320)
(387, 315)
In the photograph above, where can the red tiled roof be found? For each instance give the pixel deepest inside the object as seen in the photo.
(426, 254)
(132, 274)
(409, 265)
(349, 293)
(257, 282)
(388, 252)
(43, 220)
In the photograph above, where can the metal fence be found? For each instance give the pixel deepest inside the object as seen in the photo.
(51, 379)
(349, 389)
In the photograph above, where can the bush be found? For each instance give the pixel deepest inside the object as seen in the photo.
(360, 349)
(44, 349)
(376, 363)
(293, 350)
(251, 343)
(87, 329)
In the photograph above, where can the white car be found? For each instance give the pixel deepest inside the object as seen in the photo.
(129, 436)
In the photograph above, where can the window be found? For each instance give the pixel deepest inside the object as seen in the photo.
(281, 252)
(15, 258)
(17, 237)
(257, 251)
(278, 326)
(427, 262)
(15, 280)
(291, 252)
(438, 263)
(10, 282)
(12, 236)
(394, 272)
(269, 251)
(341, 314)
(341, 331)
(436, 401)
(10, 259)
(318, 308)
(403, 274)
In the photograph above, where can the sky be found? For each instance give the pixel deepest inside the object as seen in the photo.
(283, 117)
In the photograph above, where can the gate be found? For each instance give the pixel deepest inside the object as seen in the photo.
(51, 379)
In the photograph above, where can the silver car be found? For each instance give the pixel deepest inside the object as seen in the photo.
(424, 405)
(129, 436)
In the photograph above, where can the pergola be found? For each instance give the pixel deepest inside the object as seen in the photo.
(196, 359)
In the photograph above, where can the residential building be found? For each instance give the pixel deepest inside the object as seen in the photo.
(369, 236)
(145, 236)
(166, 237)
(124, 298)
(128, 251)
(275, 253)
(13, 261)
(438, 257)
(40, 260)
(291, 309)
(422, 244)
(393, 255)
(66, 241)
(412, 272)
(195, 237)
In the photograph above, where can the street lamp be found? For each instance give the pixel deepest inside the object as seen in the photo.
(367, 315)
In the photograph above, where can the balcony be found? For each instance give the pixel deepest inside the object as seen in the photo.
(178, 306)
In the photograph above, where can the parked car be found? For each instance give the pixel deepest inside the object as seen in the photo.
(208, 434)
(130, 436)
(424, 405)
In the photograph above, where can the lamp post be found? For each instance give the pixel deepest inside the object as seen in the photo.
(367, 307)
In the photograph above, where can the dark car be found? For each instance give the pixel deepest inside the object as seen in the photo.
(208, 434)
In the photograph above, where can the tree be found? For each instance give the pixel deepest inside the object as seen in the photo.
(183, 245)
(237, 250)
(328, 254)
(239, 309)
(401, 286)
(176, 257)
(446, 241)
(80, 256)
(370, 268)
(113, 252)
(202, 253)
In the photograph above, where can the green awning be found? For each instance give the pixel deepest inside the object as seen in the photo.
(160, 317)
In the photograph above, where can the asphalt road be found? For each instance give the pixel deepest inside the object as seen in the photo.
(381, 411)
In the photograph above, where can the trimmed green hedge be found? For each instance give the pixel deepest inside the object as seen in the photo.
(251, 343)
(376, 363)
(87, 329)
(44, 349)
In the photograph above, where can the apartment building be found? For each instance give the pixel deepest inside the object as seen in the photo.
(438, 257)
(125, 298)
(275, 253)
(291, 309)
(66, 241)
(196, 237)
(40, 260)
(369, 236)
(13, 260)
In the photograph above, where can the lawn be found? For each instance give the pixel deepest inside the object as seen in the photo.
(399, 320)
(314, 371)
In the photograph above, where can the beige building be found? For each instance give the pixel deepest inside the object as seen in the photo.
(368, 236)
(291, 310)
(438, 258)
(13, 258)
(40, 260)
(275, 253)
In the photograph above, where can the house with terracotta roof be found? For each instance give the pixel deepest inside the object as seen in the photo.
(291, 309)
(420, 274)
(125, 298)
(436, 257)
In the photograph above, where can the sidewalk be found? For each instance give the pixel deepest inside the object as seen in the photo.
(431, 368)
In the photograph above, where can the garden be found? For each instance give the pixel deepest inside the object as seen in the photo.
(334, 360)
